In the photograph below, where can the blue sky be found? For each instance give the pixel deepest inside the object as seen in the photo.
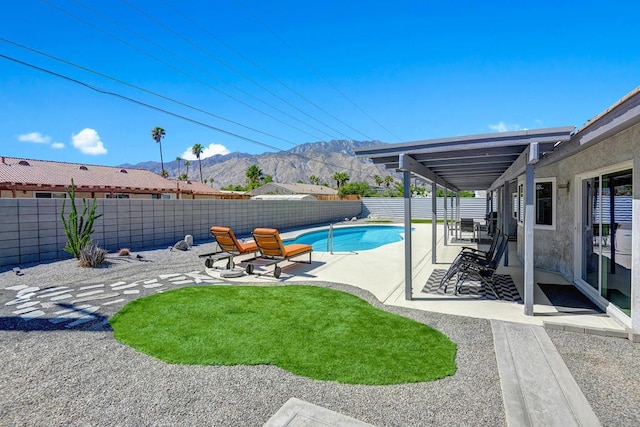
(414, 70)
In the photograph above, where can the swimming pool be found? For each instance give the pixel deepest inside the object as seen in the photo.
(352, 239)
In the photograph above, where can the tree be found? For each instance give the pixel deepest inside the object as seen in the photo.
(378, 180)
(388, 180)
(197, 151)
(314, 179)
(254, 176)
(179, 159)
(267, 179)
(187, 163)
(157, 133)
(340, 178)
(211, 180)
(360, 188)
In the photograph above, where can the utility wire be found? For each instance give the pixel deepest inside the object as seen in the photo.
(262, 69)
(315, 70)
(89, 70)
(166, 64)
(162, 110)
(230, 67)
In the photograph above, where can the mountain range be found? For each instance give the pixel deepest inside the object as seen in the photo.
(321, 159)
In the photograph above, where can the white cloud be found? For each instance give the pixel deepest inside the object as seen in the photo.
(504, 127)
(57, 145)
(35, 137)
(88, 142)
(209, 151)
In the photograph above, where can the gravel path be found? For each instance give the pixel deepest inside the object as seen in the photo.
(52, 375)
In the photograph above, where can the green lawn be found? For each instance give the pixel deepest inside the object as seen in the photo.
(311, 331)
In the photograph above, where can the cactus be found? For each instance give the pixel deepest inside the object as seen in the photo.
(78, 228)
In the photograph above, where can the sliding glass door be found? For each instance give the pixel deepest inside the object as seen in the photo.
(606, 236)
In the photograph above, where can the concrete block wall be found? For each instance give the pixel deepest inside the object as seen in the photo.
(31, 230)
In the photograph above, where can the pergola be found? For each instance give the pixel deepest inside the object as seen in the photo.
(476, 162)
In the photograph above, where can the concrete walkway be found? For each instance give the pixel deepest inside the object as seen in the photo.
(537, 387)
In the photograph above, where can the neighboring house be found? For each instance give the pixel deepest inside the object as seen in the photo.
(29, 178)
(570, 197)
(274, 188)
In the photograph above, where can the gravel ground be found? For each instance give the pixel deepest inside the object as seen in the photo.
(53, 376)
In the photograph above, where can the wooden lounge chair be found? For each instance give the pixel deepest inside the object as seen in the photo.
(229, 245)
(273, 251)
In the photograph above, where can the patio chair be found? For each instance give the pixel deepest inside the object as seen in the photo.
(473, 254)
(273, 251)
(229, 245)
(484, 271)
(467, 225)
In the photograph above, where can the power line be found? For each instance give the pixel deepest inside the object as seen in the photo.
(315, 70)
(166, 64)
(89, 70)
(230, 67)
(162, 110)
(262, 69)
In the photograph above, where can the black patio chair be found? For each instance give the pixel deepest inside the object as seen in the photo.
(473, 254)
(484, 271)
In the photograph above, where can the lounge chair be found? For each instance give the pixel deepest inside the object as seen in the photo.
(483, 270)
(472, 254)
(273, 251)
(229, 245)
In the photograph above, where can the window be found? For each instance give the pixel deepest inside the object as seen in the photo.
(51, 195)
(545, 197)
(116, 196)
(544, 203)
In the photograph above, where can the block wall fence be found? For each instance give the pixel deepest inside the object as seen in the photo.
(31, 230)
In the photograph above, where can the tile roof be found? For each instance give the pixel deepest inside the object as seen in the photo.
(45, 173)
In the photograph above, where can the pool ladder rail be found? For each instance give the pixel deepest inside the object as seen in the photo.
(330, 239)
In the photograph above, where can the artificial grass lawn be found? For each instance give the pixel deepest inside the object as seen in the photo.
(311, 331)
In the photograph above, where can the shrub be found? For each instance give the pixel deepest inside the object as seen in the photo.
(92, 256)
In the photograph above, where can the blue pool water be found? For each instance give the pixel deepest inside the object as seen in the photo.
(352, 239)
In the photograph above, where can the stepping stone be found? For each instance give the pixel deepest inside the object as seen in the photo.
(48, 304)
(153, 285)
(19, 300)
(174, 279)
(24, 291)
(61, 297)
(27, 304)
(148, 282)
(95, 297)
(91, 287)
(83, 319)
(16, 287)
(69, 310)
(74, 314)
(32, 315)
(52, 289)
(86, 294)
(131, 292)
(167, 276)
(183, 282)
(25, 310)
(118, 284)
(113, 302)
(53, 294)
(131, 285)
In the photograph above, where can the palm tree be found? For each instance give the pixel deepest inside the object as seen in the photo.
(388, 180)
(179, 159)
(254, 175)
(314, 179)
(157, 133)
(187, 163)
(197, 150)
(378, 180)
(211, 181)
(340, 178)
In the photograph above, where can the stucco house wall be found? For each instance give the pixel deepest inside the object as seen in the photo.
(554, 249)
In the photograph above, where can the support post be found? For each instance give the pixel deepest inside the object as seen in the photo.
(446, 225)
(408, 272)
(506, 215)
(434, 222)
(529, 219)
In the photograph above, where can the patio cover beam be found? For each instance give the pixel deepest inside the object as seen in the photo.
(408, 163)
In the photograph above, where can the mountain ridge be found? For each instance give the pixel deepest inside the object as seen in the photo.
(321, 159)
